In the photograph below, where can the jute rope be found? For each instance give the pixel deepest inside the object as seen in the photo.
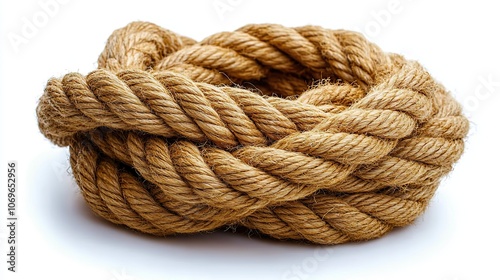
(300, 133)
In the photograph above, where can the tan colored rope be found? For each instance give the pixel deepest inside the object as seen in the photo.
(300, 133)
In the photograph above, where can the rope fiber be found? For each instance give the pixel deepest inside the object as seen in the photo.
(299, 133)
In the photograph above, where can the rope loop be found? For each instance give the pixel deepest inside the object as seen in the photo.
(300, 133)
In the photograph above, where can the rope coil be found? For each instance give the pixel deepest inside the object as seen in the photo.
(300, 133)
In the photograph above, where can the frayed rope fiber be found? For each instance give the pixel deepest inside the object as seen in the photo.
(300, 133)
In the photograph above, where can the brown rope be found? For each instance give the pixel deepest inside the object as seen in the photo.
(300, 133)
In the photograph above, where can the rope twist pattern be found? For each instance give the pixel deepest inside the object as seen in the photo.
(300, 133)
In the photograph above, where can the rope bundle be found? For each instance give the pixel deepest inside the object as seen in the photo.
(300, 133)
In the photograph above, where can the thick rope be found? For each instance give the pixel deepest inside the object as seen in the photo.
(300, 133)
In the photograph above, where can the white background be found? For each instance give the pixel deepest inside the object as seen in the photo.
(457, 238)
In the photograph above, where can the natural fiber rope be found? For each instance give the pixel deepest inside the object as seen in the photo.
(299, 133)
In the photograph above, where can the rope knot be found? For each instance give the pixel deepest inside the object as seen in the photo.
(301, 133)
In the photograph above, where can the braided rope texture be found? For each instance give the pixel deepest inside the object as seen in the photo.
(300, 133)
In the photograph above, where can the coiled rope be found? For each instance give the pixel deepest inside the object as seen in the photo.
(300, 133)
